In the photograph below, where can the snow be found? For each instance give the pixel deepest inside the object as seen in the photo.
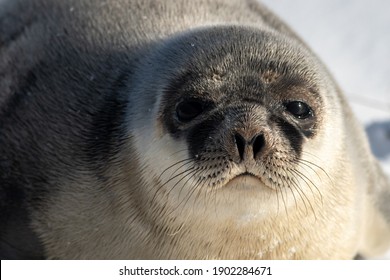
(352, 38)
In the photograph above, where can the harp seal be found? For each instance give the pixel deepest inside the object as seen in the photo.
(177, 130)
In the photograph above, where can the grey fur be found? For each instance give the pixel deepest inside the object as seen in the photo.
(79, 82)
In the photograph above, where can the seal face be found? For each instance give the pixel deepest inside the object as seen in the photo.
(198, 131)
(245, 129)
(237, 110)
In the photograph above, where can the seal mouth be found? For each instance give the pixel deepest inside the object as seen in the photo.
(246, 175)
(246, 180)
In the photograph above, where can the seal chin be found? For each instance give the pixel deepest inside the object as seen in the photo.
(246, 181)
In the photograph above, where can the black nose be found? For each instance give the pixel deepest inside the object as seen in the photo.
(249, 148)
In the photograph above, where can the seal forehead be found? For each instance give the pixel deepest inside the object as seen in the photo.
(214, 50)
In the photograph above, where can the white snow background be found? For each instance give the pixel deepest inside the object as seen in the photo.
(352, 37)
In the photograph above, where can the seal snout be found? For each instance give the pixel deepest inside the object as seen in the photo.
(247, 148)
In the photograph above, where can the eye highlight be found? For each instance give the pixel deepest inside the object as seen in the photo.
(188, 110)
(299, 109)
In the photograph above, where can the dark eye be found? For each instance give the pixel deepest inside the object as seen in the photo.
(188, 110)
(299, 109)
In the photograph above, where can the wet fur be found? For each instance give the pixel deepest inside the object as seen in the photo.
(87, 161)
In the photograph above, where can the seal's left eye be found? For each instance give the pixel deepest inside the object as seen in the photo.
(299, 109)
(188, 110)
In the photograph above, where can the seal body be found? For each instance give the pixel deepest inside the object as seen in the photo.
(177, 130)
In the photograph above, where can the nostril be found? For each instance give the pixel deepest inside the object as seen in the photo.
(258, 144)
(240, 144)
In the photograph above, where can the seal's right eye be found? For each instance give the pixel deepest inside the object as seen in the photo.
(299, 109)
(188, 110)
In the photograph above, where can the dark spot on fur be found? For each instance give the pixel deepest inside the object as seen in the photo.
(17, 239)
(269, 76)
(200, 133)
(106, 133)
(292, 134)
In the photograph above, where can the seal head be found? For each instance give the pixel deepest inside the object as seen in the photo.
(234, 133)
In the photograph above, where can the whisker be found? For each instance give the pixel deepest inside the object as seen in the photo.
(197, 186)
(190, 194)
(188, 160)
(295, 200)
(302, 198)
(311, 182)
(194, 188)
(185, 183)
(169, 180)
(190, 172)
(284, 201)
(312, 155)
(174, 175)
(277, 199)
(212, 191)
(301, 192)
(319, 167)
(179, 151)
